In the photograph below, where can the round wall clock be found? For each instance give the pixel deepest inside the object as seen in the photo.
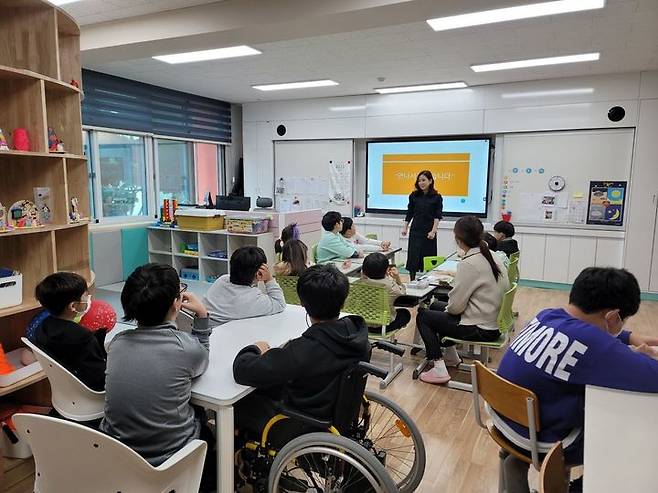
(556, 183)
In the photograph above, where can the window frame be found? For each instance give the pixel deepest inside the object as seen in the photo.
(152, 173)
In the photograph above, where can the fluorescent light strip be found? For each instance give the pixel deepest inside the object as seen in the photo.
(62, 2)
(543, 94)
(423, 87)
(513, 13)
(205, 55)
(295, 85)
(536, 62)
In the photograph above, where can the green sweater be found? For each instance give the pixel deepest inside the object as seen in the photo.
(333, 246)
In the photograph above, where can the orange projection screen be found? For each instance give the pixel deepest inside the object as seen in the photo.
(460, 169)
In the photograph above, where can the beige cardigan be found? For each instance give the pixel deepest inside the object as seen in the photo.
(476, 296)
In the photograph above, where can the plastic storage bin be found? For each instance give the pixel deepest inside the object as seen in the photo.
(248, 225)
(200, 219)
(11, 291)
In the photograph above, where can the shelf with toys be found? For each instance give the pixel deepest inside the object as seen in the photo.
(43, 174)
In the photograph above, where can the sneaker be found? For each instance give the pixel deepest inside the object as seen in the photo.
(437, 375)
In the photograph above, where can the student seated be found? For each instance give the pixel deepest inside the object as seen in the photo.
(504, 232)
(473, 302)
(150, 369)
(362, 244)
(294, 259)
(290, 232)
(332, 245)
(236, 295)
(564, 349)
(492, 243)
(306, 372)
(376, 271)
(80, 351)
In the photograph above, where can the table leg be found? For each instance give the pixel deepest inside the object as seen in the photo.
(225, 427)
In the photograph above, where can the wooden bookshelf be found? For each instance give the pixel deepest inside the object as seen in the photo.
(39, 58)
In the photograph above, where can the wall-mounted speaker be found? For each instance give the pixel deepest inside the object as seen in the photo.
(616, 114)
(281, 130)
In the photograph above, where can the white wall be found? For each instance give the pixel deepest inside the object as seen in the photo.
(549, 105)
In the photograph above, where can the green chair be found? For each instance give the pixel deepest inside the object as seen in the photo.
(289, 287)
(372, 236)
(372, 303)
(505, 323)
(513, 270)
(430, 263)
(314, 253)
(515, 256)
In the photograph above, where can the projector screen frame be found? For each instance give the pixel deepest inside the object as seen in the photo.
(452, 138)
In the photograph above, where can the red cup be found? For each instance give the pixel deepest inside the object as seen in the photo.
(507, 216)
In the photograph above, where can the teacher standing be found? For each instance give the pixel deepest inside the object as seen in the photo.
(424, 211)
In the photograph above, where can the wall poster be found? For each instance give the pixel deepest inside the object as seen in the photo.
(606, 203)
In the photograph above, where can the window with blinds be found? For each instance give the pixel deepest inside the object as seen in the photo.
(118, 103)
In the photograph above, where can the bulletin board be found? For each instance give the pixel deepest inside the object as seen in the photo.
(546, 176)
(314, 174)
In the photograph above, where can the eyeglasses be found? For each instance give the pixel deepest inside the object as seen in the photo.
(183, 288)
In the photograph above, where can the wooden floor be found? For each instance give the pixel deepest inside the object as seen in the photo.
(460, 456)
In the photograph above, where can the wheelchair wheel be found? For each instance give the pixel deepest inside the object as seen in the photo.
(326, 463)
(386, 428)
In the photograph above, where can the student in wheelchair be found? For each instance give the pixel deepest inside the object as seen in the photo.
(311, 393)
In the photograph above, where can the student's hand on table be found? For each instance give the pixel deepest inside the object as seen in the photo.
(192, 303)
(360, 254)
(264, 273)
(648, 350)
(347, 263)
(386, 245)
(262, 346)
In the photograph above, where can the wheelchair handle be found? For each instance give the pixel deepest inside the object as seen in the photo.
(389, 347)
(372, 370)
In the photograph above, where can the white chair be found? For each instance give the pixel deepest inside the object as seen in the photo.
(72, 457)
(71, 398)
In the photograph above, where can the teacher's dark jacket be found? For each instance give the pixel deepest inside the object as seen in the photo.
(307, 369)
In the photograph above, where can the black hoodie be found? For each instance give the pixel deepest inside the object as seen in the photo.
(508, 246)
(308, 368)
(77, 349)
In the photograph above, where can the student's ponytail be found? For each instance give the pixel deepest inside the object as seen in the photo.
(486, 253)
(470, 231)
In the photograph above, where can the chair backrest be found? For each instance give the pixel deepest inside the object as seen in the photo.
(350, 397)
(371, 236)
(289, 286)
(553, 474)
(506, 313)
(513, 270)
(504, 397)
(314, 253)
(430, 263)
(93, 461)
(70, 397)
(370, 302)
(515, 256)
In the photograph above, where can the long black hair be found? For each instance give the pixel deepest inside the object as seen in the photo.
(470, 232)
(295, 252)
(431, 190)
(290, 232)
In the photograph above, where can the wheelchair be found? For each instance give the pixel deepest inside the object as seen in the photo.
(369, 445)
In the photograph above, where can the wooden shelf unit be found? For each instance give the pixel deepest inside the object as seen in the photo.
(165, 244)
(39, 58)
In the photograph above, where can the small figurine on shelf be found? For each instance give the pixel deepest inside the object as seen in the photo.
(21, 140)
(3, 142)
(74, 215)
(42, 201)
(23, 214)
(55, 144)
(3, 218)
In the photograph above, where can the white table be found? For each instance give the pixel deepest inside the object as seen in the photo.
(217, 390)
(621, 441)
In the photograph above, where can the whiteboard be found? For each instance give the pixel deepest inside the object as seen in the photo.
(531, 160)
(314, 174)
